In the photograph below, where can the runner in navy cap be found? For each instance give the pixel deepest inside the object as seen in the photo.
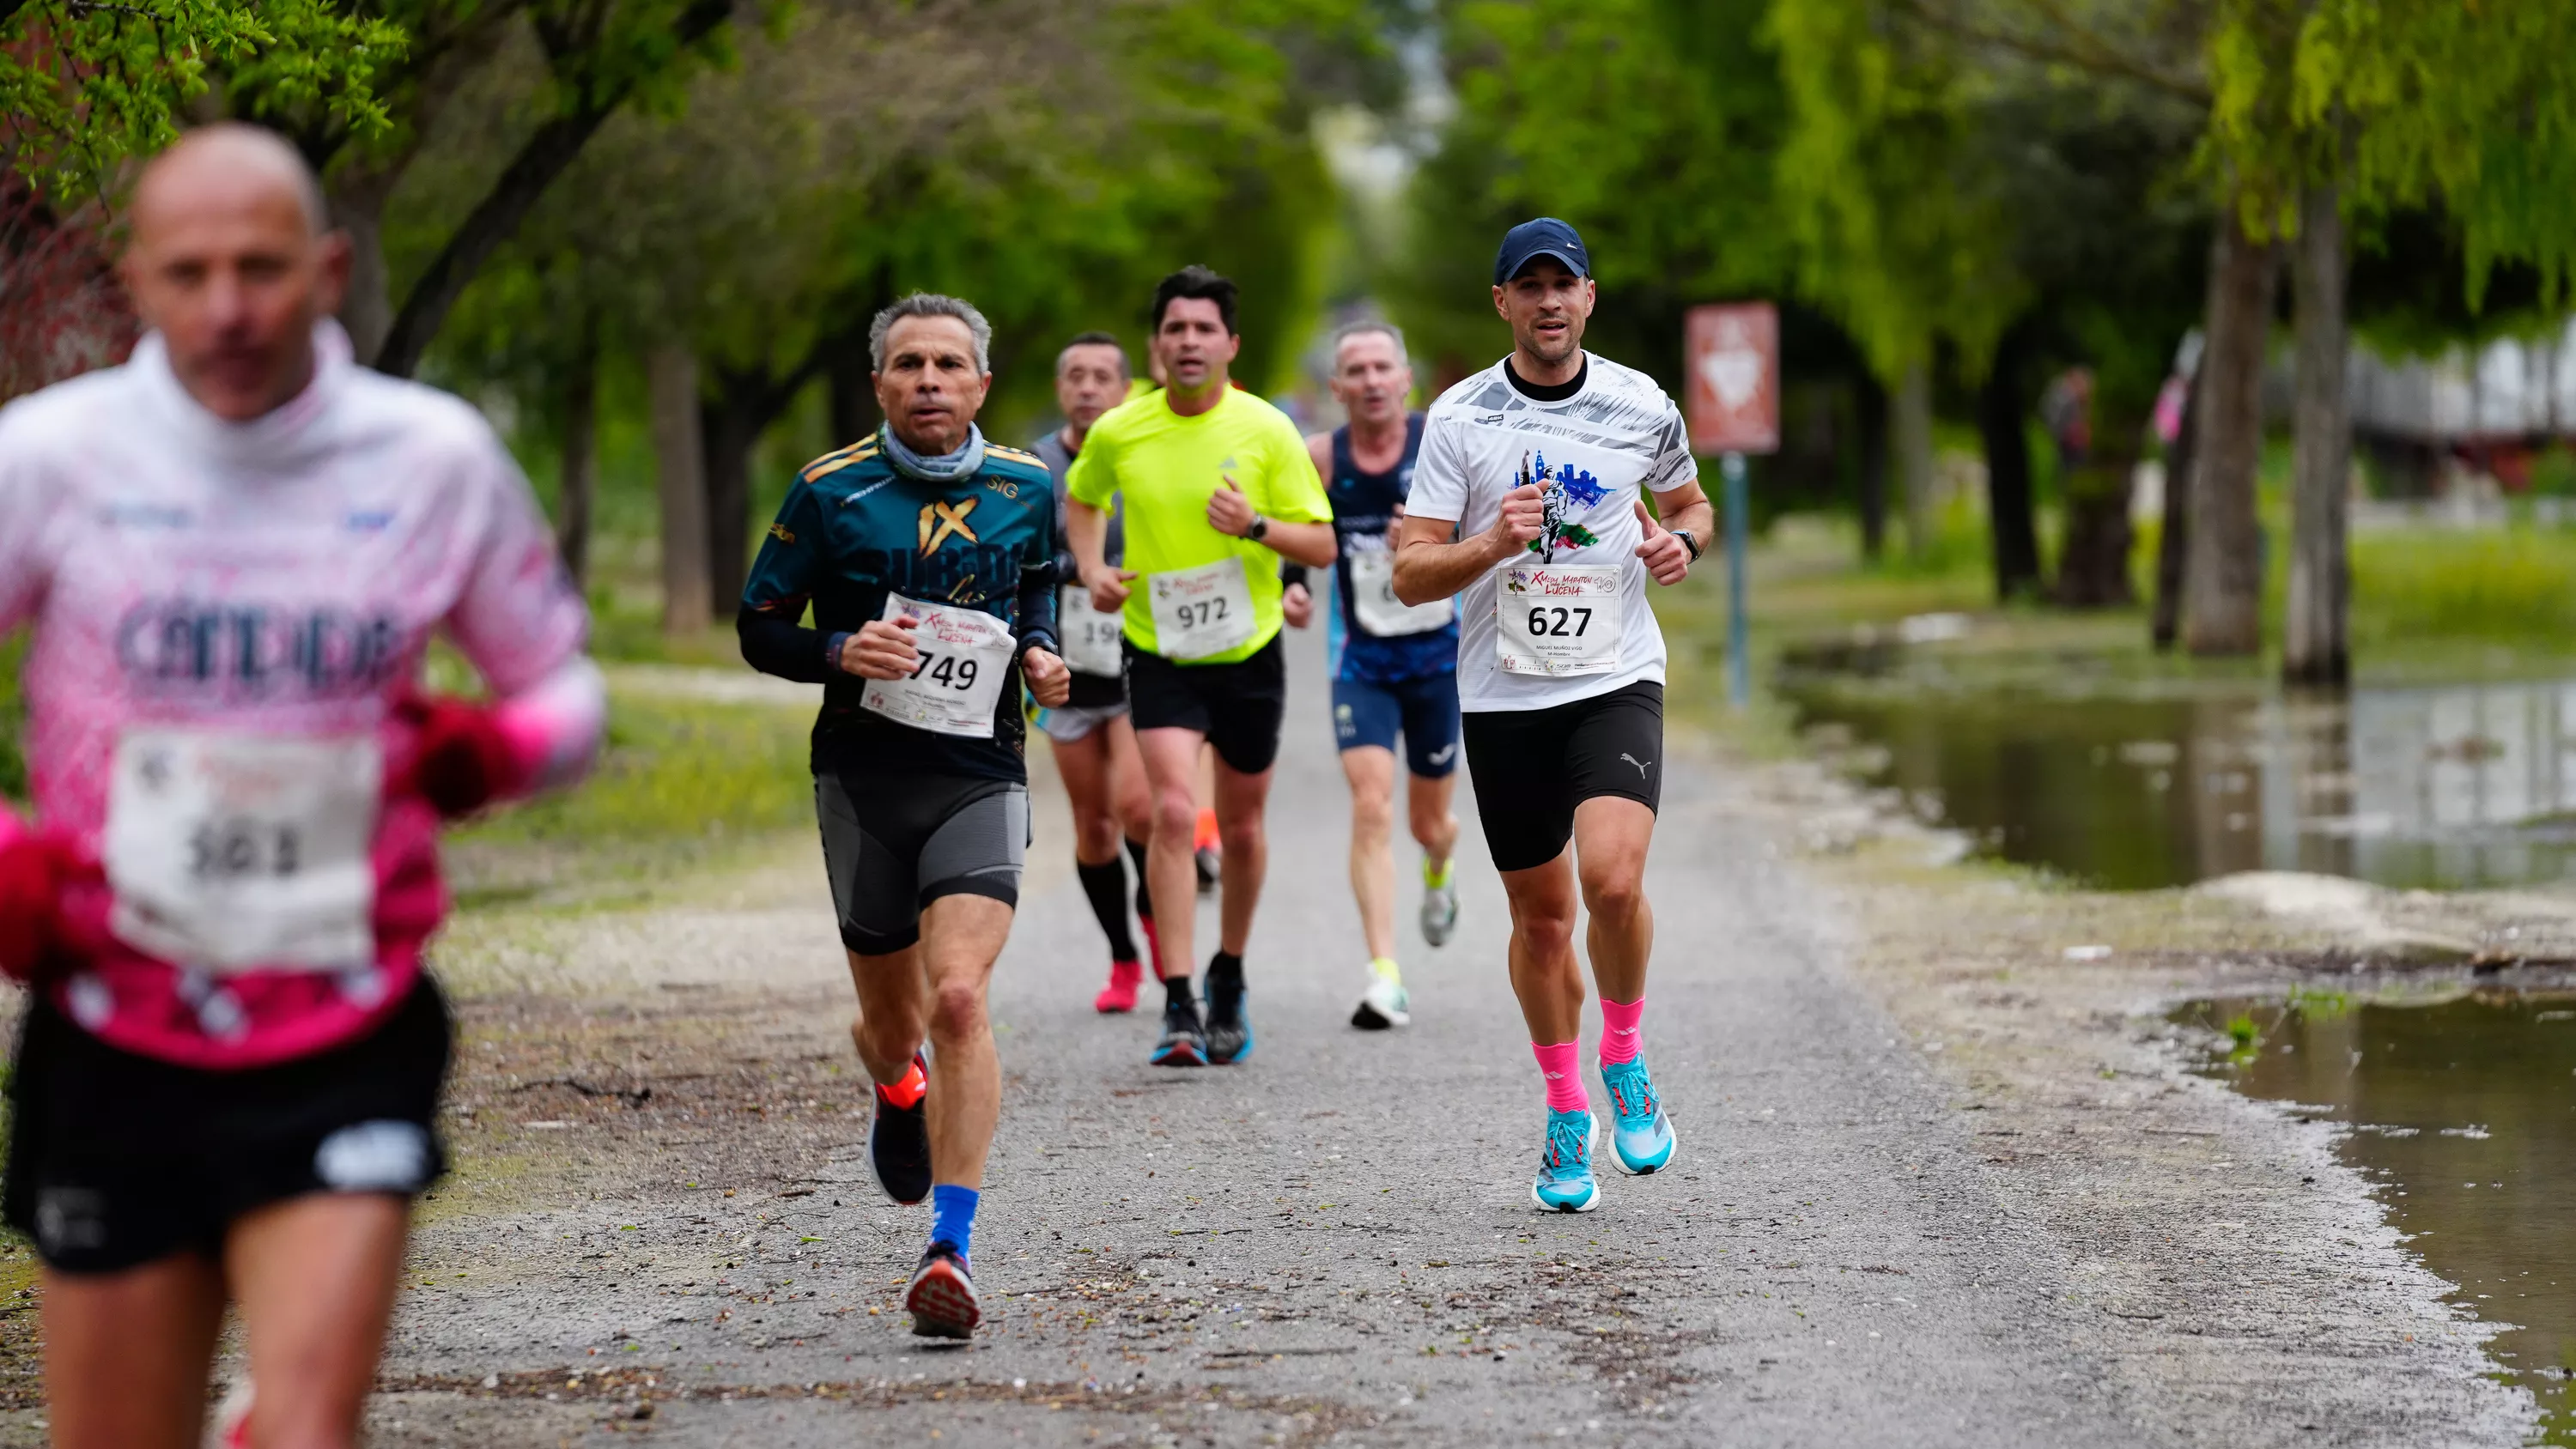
(1544, 237)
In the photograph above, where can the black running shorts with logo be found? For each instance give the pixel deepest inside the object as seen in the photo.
(894, 845)
(1238, 706)
(1532, 767)
(117, 1160)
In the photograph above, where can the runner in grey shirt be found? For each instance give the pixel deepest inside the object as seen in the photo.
(1095, 747)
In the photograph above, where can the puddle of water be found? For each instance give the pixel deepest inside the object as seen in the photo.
(2135, 787)
(2463, 1113)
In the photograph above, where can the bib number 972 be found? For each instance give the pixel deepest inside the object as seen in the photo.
(1201, 614)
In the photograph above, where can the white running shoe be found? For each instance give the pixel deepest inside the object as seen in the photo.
(1385, 1003)
(1439, 903)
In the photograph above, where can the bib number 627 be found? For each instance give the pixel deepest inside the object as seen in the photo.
(1559, 621)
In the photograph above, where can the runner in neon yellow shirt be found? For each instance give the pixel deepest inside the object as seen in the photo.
(1215, 487)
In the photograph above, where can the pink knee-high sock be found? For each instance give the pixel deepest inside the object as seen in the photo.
(1621, 1037)
(1564, 1076)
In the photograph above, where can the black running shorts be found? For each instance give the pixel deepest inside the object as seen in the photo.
(1237, 706)
(1532, 767)
(892, 846)
(117, 1160)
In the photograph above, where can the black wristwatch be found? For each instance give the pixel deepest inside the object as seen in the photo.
(1690, 541)
(1257, 529)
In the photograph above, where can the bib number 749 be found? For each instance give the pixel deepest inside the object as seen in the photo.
(949, 671)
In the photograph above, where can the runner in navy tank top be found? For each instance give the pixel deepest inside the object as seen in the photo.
(1394, 668)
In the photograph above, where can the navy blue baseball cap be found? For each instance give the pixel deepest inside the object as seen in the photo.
(1544, 237)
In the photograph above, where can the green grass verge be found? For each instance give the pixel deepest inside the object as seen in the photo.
(680, 785)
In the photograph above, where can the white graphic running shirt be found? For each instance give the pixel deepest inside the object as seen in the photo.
(1593, 451)
(269, 587)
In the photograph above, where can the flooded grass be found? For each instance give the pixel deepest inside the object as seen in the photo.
(2460, 1105)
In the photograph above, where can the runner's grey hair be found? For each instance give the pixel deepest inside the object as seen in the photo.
(932, 304)
(1364, 327)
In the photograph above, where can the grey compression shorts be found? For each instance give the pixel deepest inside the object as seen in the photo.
(891, 847)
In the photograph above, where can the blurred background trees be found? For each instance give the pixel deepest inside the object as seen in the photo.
(2054, 236)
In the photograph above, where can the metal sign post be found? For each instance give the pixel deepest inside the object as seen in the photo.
(1732, 396)
(1739, 665)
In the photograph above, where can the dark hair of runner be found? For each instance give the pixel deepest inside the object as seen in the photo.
(1094, 339)
(1199, 284)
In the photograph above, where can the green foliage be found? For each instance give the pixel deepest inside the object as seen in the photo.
(674, 772)
(85, 84)
(1902, 235)
(1650, 124)
(13, 722)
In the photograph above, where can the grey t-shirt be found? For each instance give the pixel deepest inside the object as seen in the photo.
(1059, 462)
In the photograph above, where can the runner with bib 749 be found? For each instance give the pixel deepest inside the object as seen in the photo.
(929, 559)
(1537, 467)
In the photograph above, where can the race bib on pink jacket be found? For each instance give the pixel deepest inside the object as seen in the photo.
(223, 615)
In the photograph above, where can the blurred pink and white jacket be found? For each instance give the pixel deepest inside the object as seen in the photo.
(281, 578)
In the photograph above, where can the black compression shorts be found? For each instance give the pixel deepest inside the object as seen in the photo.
(117, 1160)
(1532, 767)
(892, 846)
(1237, 706)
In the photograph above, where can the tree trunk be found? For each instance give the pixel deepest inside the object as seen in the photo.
(735, 419)
(854, 394)
(2223, 571)
(2313, 646)
(2002, 409)
(357, 199)
(1869, 399)
(2093, 565)
(579, 484)
(1913, 429)
(2175, 537)
(681, 460)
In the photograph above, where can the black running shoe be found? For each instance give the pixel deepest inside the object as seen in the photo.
(1229, 1028)
(899, 1142)
(942, 1298)
(1184, 1043)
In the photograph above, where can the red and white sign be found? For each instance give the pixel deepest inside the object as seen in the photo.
(1732, 397)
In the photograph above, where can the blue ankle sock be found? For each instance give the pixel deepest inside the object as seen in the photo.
(952, 1217)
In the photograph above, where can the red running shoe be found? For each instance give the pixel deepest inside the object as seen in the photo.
(1119, 996)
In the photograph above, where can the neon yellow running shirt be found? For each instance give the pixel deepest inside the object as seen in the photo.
(1167, 465)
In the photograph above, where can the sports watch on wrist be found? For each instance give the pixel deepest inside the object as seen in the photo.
(1257, 529)
(1690, 541)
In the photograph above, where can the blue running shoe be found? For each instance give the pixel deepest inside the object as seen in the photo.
(1184, 1041)
(1565, 1182)
(1641, 1137)
(1229, 1027)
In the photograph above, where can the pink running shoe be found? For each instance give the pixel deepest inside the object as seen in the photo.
(231, 1429)
(1119, 996)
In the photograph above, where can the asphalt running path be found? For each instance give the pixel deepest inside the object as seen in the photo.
(1331, 1243)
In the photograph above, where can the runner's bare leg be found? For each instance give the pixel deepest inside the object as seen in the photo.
(1611, 833)
(316, 1277)
(127, 1355)
(1371, 772)
(1240, 801)
(1171, 772)
(960, 937)
(1545, 975)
